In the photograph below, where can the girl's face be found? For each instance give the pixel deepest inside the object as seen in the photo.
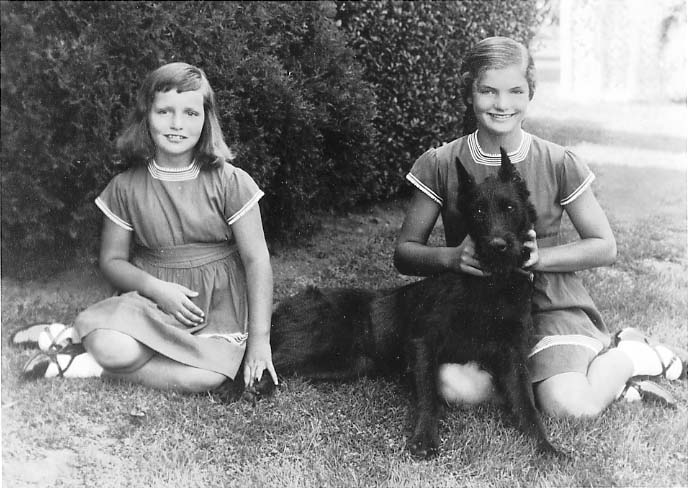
(500, 99)
(176, 122)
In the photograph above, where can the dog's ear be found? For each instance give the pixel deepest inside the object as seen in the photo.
(466, 181)
(507, 171)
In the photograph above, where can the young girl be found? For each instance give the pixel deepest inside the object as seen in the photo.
(574, 370)
(183, 242)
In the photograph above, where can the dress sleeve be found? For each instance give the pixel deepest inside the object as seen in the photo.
(428, 176)
(241, 193)
(113, 203)
(574, 178)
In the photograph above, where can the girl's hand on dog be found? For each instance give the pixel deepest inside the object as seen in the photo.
(175, 300)
(531, 244)
(467, 260)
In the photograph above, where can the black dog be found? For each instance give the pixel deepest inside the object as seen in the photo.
(335, 334)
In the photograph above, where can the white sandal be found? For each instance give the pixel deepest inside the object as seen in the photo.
(673, 367)
(649, 392)
(46, 337)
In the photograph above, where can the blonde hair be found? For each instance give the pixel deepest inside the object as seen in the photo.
(492, 53)
(135, 144)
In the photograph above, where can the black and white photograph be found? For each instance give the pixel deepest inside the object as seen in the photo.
(344, 244)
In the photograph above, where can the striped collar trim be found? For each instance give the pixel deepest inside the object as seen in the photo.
(481, 157)
(189, 172)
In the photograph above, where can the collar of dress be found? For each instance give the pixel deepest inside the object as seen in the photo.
(189, 172)
(482, 157)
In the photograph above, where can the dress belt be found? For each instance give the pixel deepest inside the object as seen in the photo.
(186, 255)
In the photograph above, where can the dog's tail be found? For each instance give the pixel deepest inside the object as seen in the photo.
(320, 334)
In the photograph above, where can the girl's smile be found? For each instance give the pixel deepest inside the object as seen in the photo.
(176, 122)
(500, 99)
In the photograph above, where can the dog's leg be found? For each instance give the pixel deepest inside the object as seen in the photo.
(425, 440)
(518, 390)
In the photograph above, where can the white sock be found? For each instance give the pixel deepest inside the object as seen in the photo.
(630, 395)
(83, 366)
(644, 358)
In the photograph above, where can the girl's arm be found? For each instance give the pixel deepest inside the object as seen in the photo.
(412, 255)
(248, 232)
(172, 298)
(596, 247)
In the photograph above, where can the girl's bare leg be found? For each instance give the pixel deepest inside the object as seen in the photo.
(124, 358)
(585, 395)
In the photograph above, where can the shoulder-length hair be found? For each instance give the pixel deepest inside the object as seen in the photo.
(492, 53)
(135, 144)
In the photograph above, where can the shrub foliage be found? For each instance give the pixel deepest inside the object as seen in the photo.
(326, 104)
(411, 53)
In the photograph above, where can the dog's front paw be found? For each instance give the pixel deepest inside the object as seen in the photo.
(549, 451)
(424, 443)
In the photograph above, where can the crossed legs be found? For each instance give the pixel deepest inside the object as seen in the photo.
(124, 358)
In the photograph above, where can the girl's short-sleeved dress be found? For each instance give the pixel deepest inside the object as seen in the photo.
(569, 331)
(181, 222)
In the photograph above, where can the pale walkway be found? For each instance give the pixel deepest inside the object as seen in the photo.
(635, 134)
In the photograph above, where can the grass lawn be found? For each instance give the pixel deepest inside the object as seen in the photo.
(91, 433)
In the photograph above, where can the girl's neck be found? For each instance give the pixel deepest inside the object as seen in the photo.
(490, 142)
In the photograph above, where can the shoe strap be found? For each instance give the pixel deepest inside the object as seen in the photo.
(54, 346)
(60, 370)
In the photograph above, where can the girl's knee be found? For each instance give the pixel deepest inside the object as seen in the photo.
(567, 395)
(116, 351)
(465, 383)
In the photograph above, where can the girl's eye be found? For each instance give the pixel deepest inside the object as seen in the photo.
(192, 113)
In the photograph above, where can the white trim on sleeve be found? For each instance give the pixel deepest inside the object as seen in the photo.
(110, 214)
(247, 206)
(424, 188)
(578, 191)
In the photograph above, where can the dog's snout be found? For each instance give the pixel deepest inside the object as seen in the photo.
(499, 244)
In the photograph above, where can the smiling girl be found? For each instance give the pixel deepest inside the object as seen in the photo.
(182, 241)
(574, 368)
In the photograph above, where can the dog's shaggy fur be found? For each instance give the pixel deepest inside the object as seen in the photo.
(334, 334)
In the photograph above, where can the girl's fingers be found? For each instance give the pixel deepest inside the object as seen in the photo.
(180, 317)
(187, 318)
(273, 373)
(193, 311)
(248, 376)
(254, 373)
(471, 270)
(188, 292)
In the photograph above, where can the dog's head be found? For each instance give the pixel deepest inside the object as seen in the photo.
(498, 216)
